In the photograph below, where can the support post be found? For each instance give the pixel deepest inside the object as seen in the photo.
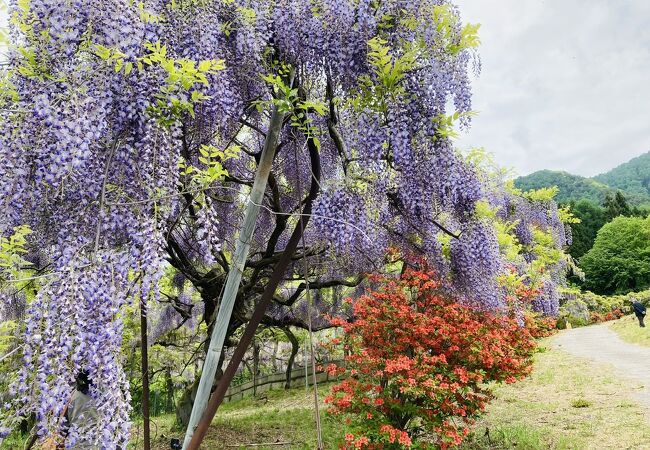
(235, 274)
(304, 363)
(144, 351)
(267, 296)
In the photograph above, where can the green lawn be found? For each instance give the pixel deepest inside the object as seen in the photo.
(629, 330)
(567, 403)
(279, 417)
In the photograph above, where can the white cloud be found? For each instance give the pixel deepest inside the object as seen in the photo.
(565, 83)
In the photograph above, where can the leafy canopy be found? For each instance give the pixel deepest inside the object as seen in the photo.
(619, 261)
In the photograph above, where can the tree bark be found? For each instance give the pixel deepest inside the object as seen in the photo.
(169, 406)
(267, 297)
(295, 347)
(256, 365)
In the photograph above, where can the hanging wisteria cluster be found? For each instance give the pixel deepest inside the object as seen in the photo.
(132, 133)
(541, 232)
(81, 159)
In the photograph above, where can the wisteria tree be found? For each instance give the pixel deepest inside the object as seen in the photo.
(131, 133)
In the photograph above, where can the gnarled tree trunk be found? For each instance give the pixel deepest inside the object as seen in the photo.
(294, 351)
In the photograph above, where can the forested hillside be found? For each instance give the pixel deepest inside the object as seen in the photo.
(632, 178)
(571, 187)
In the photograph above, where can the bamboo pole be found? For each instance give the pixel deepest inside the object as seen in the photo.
(260, 309)
(235, 274)
(145, 374)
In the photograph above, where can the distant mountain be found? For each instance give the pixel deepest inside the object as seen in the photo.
(631, 178)
(571, 187)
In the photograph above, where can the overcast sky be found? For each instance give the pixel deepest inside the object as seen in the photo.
(565, 83)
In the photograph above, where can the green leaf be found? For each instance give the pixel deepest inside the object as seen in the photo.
(204, 66)
(103, 52)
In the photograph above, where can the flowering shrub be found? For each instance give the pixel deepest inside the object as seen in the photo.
(577, 306)
(418, 363)
(596, 317)
(614, 314)
(540, 326)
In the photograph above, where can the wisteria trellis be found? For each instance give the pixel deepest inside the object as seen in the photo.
(98, 112)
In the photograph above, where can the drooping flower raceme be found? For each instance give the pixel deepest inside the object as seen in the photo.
(131, 131)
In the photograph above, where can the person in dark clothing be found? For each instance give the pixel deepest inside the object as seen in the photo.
(639, 311)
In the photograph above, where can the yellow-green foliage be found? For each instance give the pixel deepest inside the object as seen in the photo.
(544, 248)
(389, 69)
(566, 216)
(184, 76)
(542, 194)
(543, 245)
(605, 303)
(7, 335)
(212, 158)
(446, 20)
(8, 91)
(508, 243)
(11, 249)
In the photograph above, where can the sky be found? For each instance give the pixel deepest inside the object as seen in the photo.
(565, 84)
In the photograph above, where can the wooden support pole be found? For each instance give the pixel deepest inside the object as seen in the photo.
(267, 296)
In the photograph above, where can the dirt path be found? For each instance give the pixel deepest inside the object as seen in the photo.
(599, 343)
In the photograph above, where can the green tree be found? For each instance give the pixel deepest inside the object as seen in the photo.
(592, 218)
(619, 261)
(616, 205)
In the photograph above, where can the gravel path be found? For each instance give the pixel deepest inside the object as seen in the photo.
(599, 343)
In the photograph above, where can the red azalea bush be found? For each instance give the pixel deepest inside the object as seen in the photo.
(596, 317)
(540, 326)
(614, 314)
(418, 363)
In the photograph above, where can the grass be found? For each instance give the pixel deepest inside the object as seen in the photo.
(280, 417)
(277, 416)
(566, 403)
(629, 330)
(581, 403)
